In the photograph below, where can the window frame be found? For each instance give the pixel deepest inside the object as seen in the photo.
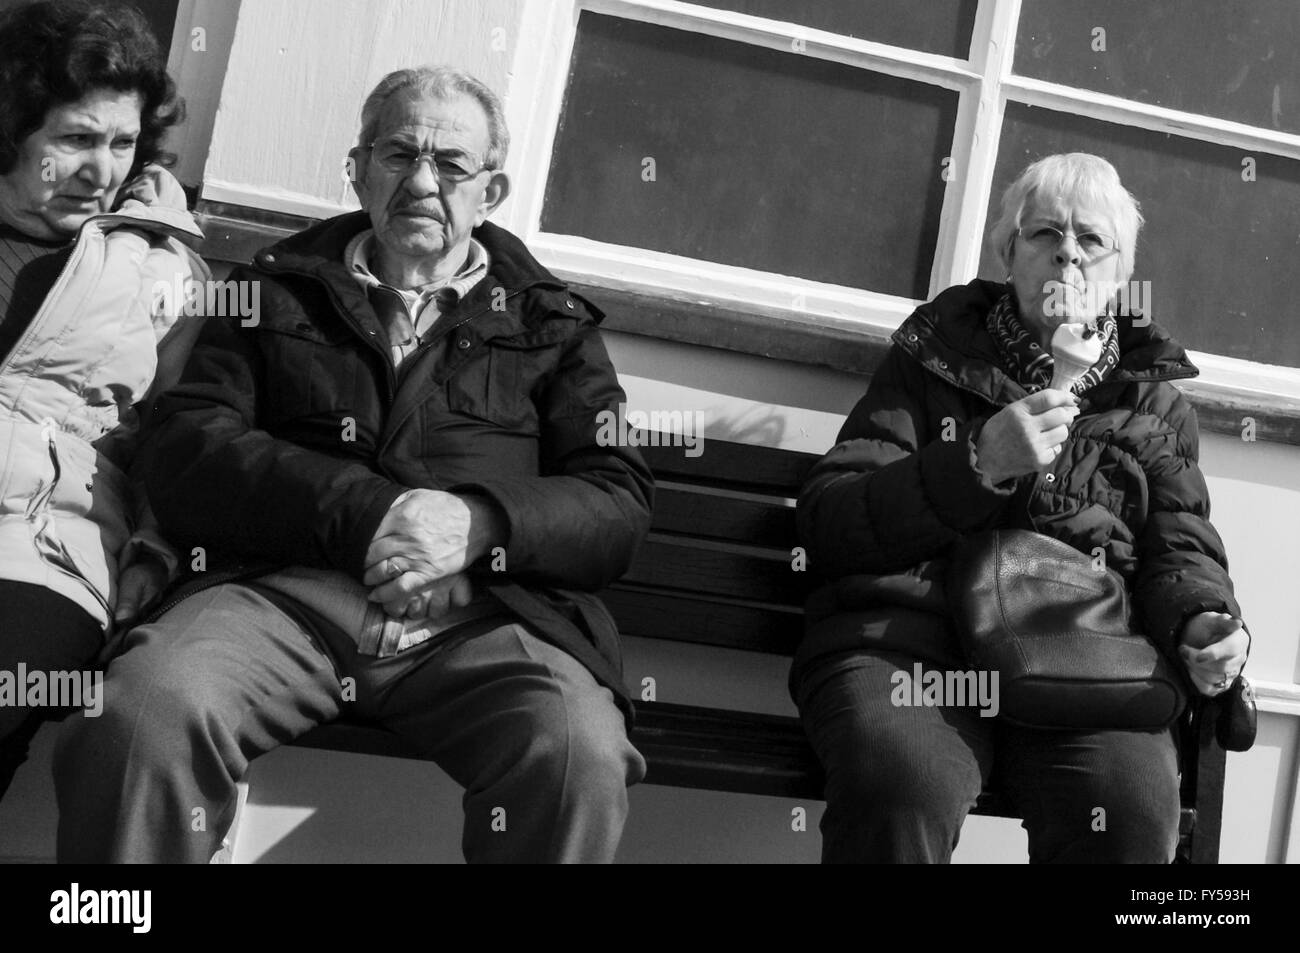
(985, 83)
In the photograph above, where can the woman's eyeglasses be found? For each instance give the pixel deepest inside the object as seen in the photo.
(1092, 244)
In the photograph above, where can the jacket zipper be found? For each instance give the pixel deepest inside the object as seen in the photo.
(58, 557)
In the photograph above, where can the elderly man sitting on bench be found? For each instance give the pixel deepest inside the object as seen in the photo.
(394, 484)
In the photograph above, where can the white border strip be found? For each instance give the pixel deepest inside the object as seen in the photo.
(1245, 377)
(1280, 698)
(533, 102)
(792, 38)
(976, 137)
(537, 93)
(1126, 112)
(272, 200)
(687, 279)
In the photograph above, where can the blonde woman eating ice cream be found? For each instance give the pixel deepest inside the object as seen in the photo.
(1035, 404)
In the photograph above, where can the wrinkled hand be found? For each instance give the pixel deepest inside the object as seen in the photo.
(1025, 436)
(427, 536)
(434, 600)
(1213, 646)
(137, 584)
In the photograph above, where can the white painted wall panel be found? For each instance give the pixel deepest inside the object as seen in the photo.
(324, 56)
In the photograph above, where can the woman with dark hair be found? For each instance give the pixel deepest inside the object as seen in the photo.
(91, 232)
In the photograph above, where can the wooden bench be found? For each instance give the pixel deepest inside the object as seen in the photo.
(717, 570)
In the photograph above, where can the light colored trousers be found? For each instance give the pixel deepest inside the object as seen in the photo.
(539, 746)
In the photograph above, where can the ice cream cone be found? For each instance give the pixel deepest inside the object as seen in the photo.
(1075, 348)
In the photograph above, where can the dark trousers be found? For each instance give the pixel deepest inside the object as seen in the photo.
(539, 746)
(46, 632)
(900, 780)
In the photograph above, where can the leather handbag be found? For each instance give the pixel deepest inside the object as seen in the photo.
(1238, 718)
(1058, 631)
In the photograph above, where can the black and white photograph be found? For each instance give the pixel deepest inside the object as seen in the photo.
(761, 433)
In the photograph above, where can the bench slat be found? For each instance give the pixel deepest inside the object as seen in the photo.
(673, 616)
(674, 563)
(735, 466)
(711, 516)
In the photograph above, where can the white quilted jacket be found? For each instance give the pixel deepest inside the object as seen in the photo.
(67, 511)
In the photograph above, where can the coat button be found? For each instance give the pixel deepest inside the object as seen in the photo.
(463, 343)
(943, 365)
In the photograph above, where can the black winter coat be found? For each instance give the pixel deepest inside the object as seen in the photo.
(285, 443)
(879, 512)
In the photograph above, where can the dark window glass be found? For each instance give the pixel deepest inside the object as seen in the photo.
(1232, 59)
(935, 26)
(766, 160)
(1218, 249)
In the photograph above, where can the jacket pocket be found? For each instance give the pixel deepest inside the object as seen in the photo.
(501, 385)
(310, 373)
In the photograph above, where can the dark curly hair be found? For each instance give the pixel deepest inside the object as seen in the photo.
(54, 52)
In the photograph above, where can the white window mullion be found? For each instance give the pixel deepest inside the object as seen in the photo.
(1128, 112)
(975, 146)
(547, 31)
(792, 38)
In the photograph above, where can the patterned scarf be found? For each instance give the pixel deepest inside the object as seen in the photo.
(1030, 365)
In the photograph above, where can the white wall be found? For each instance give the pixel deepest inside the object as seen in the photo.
(324, 56)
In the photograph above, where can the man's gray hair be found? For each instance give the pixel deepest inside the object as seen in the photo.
(1086, 178)
(439, 82)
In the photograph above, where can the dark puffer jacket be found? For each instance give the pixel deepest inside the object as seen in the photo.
(285, 443)
(879, 512)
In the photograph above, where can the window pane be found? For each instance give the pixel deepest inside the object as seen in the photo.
(717, 150)
(1231, 59)
(936, 26)
(1218, 249)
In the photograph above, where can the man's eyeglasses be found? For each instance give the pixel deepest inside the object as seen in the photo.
(402, 158)
(1048, 238)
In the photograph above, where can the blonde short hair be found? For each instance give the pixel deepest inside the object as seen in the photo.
(1079, 176)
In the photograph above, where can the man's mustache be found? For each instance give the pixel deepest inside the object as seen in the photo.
(419, 210)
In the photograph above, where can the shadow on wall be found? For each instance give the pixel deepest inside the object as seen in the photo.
(761, 425)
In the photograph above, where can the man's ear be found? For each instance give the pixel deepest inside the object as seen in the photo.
(498, 188)
(355, 168)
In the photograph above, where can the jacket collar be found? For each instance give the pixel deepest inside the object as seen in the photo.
(315, 249)
(949, 337)
(318, 251)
